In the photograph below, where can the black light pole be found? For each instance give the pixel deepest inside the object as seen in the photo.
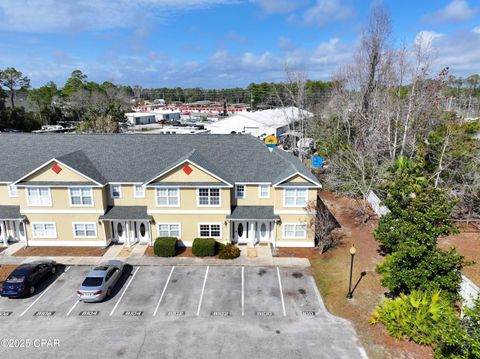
(353, 250)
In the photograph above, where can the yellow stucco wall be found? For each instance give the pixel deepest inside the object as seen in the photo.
(47, 174)
(252, 197)
(178, 175)
(61, 199)
(5, 200)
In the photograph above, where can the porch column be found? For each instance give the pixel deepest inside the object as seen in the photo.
(104, 230)
(149, 226)
(127, 225)
(4, 234)
(252, 233)
(274, 234)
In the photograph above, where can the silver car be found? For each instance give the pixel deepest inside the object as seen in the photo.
(100, 281)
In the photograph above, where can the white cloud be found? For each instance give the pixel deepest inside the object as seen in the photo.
(455, 11)
(326, 11)
(83, 15)
(425, 38)
(476, 30)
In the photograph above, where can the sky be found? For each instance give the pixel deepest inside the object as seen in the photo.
(219, 43)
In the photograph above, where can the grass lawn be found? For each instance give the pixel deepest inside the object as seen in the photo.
(331, 272)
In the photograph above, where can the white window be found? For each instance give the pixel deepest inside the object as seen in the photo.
(210, 230)
(295, 197)
(168, 197)
(294, 230)
(139, 191)
(169, 230)
(239, 191)
(39, 196)
(264, 191)
(116, 190)
(81, 196)
(85, 230)
(209, 197)
(12, 191)
(44, 230)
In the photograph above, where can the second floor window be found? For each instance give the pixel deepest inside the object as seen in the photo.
(239, 191)
(264, 190)
(116, 190)
(81, 196)
(295, 197)
(139, 191)
(12, 191)
(209, 197)
(39, 196)
(168, 197)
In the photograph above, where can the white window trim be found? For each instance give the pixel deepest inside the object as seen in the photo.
(169, 224)
(209, 205)
(210, 223)
(135, 185)
(260, 191)
(244, 191)
(33, 231)
(10, 190)
(119, 190)
(85, 236)
(49, 204)
(80, 205)
(294, 230)
(167, 205)
(294, 205)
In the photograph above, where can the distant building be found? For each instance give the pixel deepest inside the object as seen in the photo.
(260, 123)
(140, 118)
(167, 115)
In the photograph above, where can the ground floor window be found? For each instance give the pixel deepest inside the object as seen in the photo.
(88, 230)
(294, 230)
(210, 230)
(44, 230)
(169, 230)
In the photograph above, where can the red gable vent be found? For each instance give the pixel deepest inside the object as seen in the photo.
(56, 168)
(187, 169)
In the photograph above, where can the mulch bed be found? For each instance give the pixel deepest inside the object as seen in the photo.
(181, 252)
(5, 270)
(60, 252)
(310, 253)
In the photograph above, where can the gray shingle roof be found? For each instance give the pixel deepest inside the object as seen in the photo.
(141, 157)
(10, 212)
(54, 183)
(126, 212)
(253, 213)
(187, 184)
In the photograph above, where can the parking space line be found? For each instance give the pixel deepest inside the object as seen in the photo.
(281, 292)
(243, 291)
(72, 308)
(123, 293)
(163, 291)
(203, 290)
(43, 293)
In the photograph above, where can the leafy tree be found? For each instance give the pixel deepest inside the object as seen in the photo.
(76, 81)
(13, 81)
(43, 98)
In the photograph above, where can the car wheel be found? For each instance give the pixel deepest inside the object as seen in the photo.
(54, 269)
(32, 290)
(109, 291)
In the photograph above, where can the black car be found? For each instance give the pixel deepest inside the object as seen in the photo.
(25, 278)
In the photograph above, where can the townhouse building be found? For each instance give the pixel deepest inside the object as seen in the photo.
(91, 190)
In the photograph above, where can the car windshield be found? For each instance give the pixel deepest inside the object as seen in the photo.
(15, 279)
(92, 282)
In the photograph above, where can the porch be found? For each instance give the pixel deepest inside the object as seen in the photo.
(253, 225)
(12, 225)
(127, 225)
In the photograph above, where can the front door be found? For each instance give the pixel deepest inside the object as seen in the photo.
(241, 232)
(120, 231)
(263, 229)
(143, 232)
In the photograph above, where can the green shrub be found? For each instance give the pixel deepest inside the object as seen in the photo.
(204, 247)
(229, 251)
(165, 246)
(219, 247)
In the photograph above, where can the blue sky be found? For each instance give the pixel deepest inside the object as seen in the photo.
(218, 43)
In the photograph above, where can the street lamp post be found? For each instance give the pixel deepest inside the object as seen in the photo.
(353, 250)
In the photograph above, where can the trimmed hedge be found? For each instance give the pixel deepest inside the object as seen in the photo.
(204, 247)
(165, 246)
(229, 251)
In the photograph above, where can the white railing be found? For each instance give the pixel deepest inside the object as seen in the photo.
(469, 291)
(375, 202)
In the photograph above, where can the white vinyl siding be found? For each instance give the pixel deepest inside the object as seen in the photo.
(209, 230)
(208, 197)
(295, 197)
(116, 191)
(264, 191)
(168, 197)
(12, 190)
(39, 196)
(85, 230)
(81, 197)
(44, 230)
(139, 191)
(240, 191)
(169, 230)
(295, 230)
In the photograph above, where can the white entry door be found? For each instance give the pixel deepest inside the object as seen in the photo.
(263, 231)
(241, 232)
(119, 231)
(143, 233)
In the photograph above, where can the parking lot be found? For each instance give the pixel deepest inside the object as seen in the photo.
(236, 306)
